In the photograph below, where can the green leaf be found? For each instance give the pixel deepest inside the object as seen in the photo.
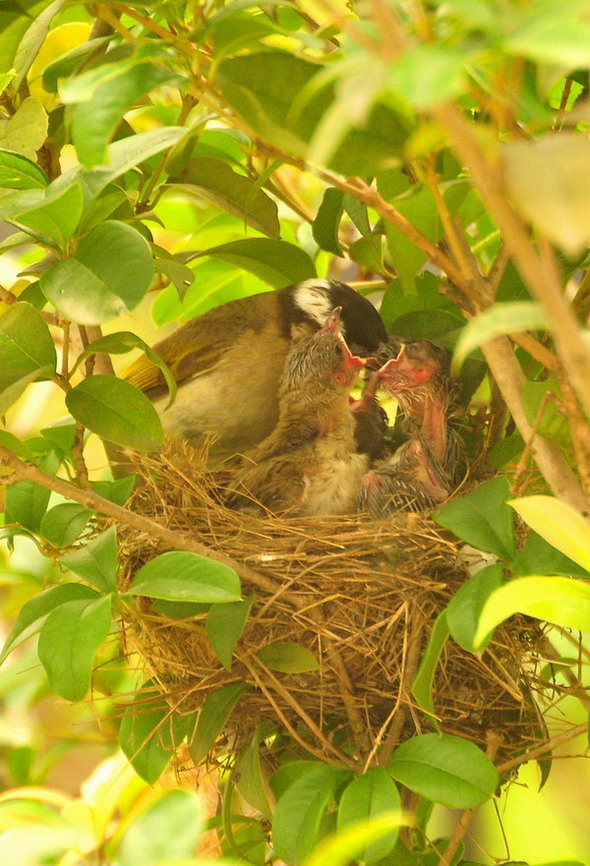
(36, 610)
(249, 777)
(499, 319)
(560, 208)
(25, 132)
(95, 120)
(26, 345)
(300, 810)
(108, 275)
(482, 518)
(288, 657)
(327, 222)
(560, 600)
(184, 576)
(214, 180)
(63, 523)
(540, 557)
(122, 342)
(445, 769)
(552, 33)
(61, 436)
(96, 561)
(426, 75)
(117, 411)
(149, 733)
(276, 262)
(464, 609)
(14, 444)
(214, 713)
(19, 172)
(422, 685)
(33, 39)
(117, 491)
(167, 830)
(225, 624)
(56, 215)
(367, 797)
(559, 524)
(69, 639)
(26, 503)
(420, 209)
(351, 841)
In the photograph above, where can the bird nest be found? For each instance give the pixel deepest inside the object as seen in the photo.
(360, 594)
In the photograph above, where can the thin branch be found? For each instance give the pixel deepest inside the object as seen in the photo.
(540, 751)
(174, 540)
(538, 268)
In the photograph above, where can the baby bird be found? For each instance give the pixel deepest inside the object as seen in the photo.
(309, 464)
(425, 469)
(228, 362)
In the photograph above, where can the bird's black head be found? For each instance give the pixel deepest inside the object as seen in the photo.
(311, 302)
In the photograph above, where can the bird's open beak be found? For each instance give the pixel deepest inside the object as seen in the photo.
(332, 326)
(393, 363)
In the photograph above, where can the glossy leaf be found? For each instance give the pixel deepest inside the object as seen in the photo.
(540, 557)
(445, 769)
(63, 523)
(213, 715)
(19, 172)
(34, 613)
(300, 810)
(117, 411)
(167, 830)
(560, 600)
(276, 262)
(288, 657)
(107, 276)
(26, 503)
(26, 345)
(499, 319)
(214, 180)
(464, 609)
(422, 685)
(122, 342)
(117, 491)
(69, 639)
(482, 518)
(367, 797)
(225, 624)
(558, 523)
(420, 209)
(327, 222)
(96, 561)
(55, 216)
(33, 38)
(184, 576)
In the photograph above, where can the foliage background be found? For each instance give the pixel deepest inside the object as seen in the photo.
(157, 159)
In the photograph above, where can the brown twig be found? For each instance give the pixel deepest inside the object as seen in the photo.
(540, 751)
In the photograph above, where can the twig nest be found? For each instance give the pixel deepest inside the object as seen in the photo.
(358, 596)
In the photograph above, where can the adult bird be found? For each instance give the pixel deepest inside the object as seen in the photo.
(228, 362)
(309, 463)
(430, 464)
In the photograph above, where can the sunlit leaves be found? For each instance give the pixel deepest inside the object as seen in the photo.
(168, 829)
(367, 797)
(559, 600)
(26, 130)
(108, 275)
(499, 319)
(96, 561)
(19, 172)
(276, 262)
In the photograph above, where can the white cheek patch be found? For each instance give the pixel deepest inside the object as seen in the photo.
(312, 296)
